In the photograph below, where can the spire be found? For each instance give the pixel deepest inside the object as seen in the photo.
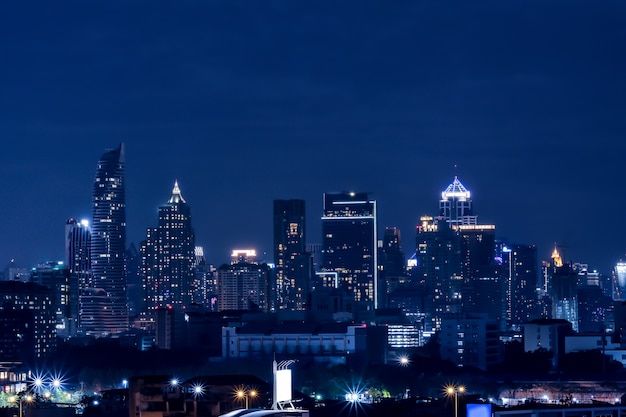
(176, 197)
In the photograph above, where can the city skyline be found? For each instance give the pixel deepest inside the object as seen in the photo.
(246, 104)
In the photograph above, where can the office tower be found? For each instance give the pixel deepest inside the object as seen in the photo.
(27, 322)
(244, 284)
(562, 289)
(169, 258)
(64, 293)
(108, 244)
(391, 264)
(595, 310)
(205, 281)
(350, 245)
(78, 262)
(438, 270)
(293, 265)
(482, 284)
(520, 275)
(619, 281)
(455, 205)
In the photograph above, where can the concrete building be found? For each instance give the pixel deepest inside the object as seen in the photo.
(335, 342)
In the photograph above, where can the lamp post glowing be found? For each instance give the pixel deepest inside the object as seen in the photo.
(20, 400)
(243, 394)
(455, 390)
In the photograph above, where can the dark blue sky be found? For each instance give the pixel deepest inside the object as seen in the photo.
(244, 102)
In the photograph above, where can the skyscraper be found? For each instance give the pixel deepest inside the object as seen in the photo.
(520, 274)
(108, 244)
(349, 244)
(391, 263)
(438, 270)
(244, 284)
(563, 281)
(78, 262)
(169, 262)
(619, 281)
(293, 265)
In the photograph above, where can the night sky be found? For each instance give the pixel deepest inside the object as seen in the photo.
(244, 102)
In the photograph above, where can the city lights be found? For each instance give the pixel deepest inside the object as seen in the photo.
(246, 394)
(455, 390)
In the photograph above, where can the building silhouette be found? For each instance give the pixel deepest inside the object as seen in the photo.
(391, 265)
(293, 264)
(108, 244)
(349, 245)
(169, 257)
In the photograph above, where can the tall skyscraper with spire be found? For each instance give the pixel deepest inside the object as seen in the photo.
(108, 311)
(293, 265)
(169, 256)
(350, 245)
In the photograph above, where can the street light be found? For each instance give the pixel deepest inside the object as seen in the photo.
(455, 390)
(246, 394)
(20, 399)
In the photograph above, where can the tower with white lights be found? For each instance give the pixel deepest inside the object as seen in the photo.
(169, 256)
(455, 205)
(108, 245)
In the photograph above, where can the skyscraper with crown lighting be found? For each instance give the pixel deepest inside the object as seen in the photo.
(169, 256)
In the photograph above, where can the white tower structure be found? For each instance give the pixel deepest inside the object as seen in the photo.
(456, 204)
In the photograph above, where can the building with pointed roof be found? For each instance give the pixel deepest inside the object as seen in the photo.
(169, 256)
(456, 204)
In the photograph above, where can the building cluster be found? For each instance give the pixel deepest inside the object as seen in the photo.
(355, 292)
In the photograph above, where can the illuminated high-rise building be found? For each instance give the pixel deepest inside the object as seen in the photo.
(455, 261)
(169, 256)
(349, 245)
(244, 284)
(563, 281)
(293, 265)
(108, 244)
(204, 285)
(27, 322)
(482, 290)
(520, 277)
(619, 281)
(455, 205)
(438, 270)
(78, 262)
(64, 293)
